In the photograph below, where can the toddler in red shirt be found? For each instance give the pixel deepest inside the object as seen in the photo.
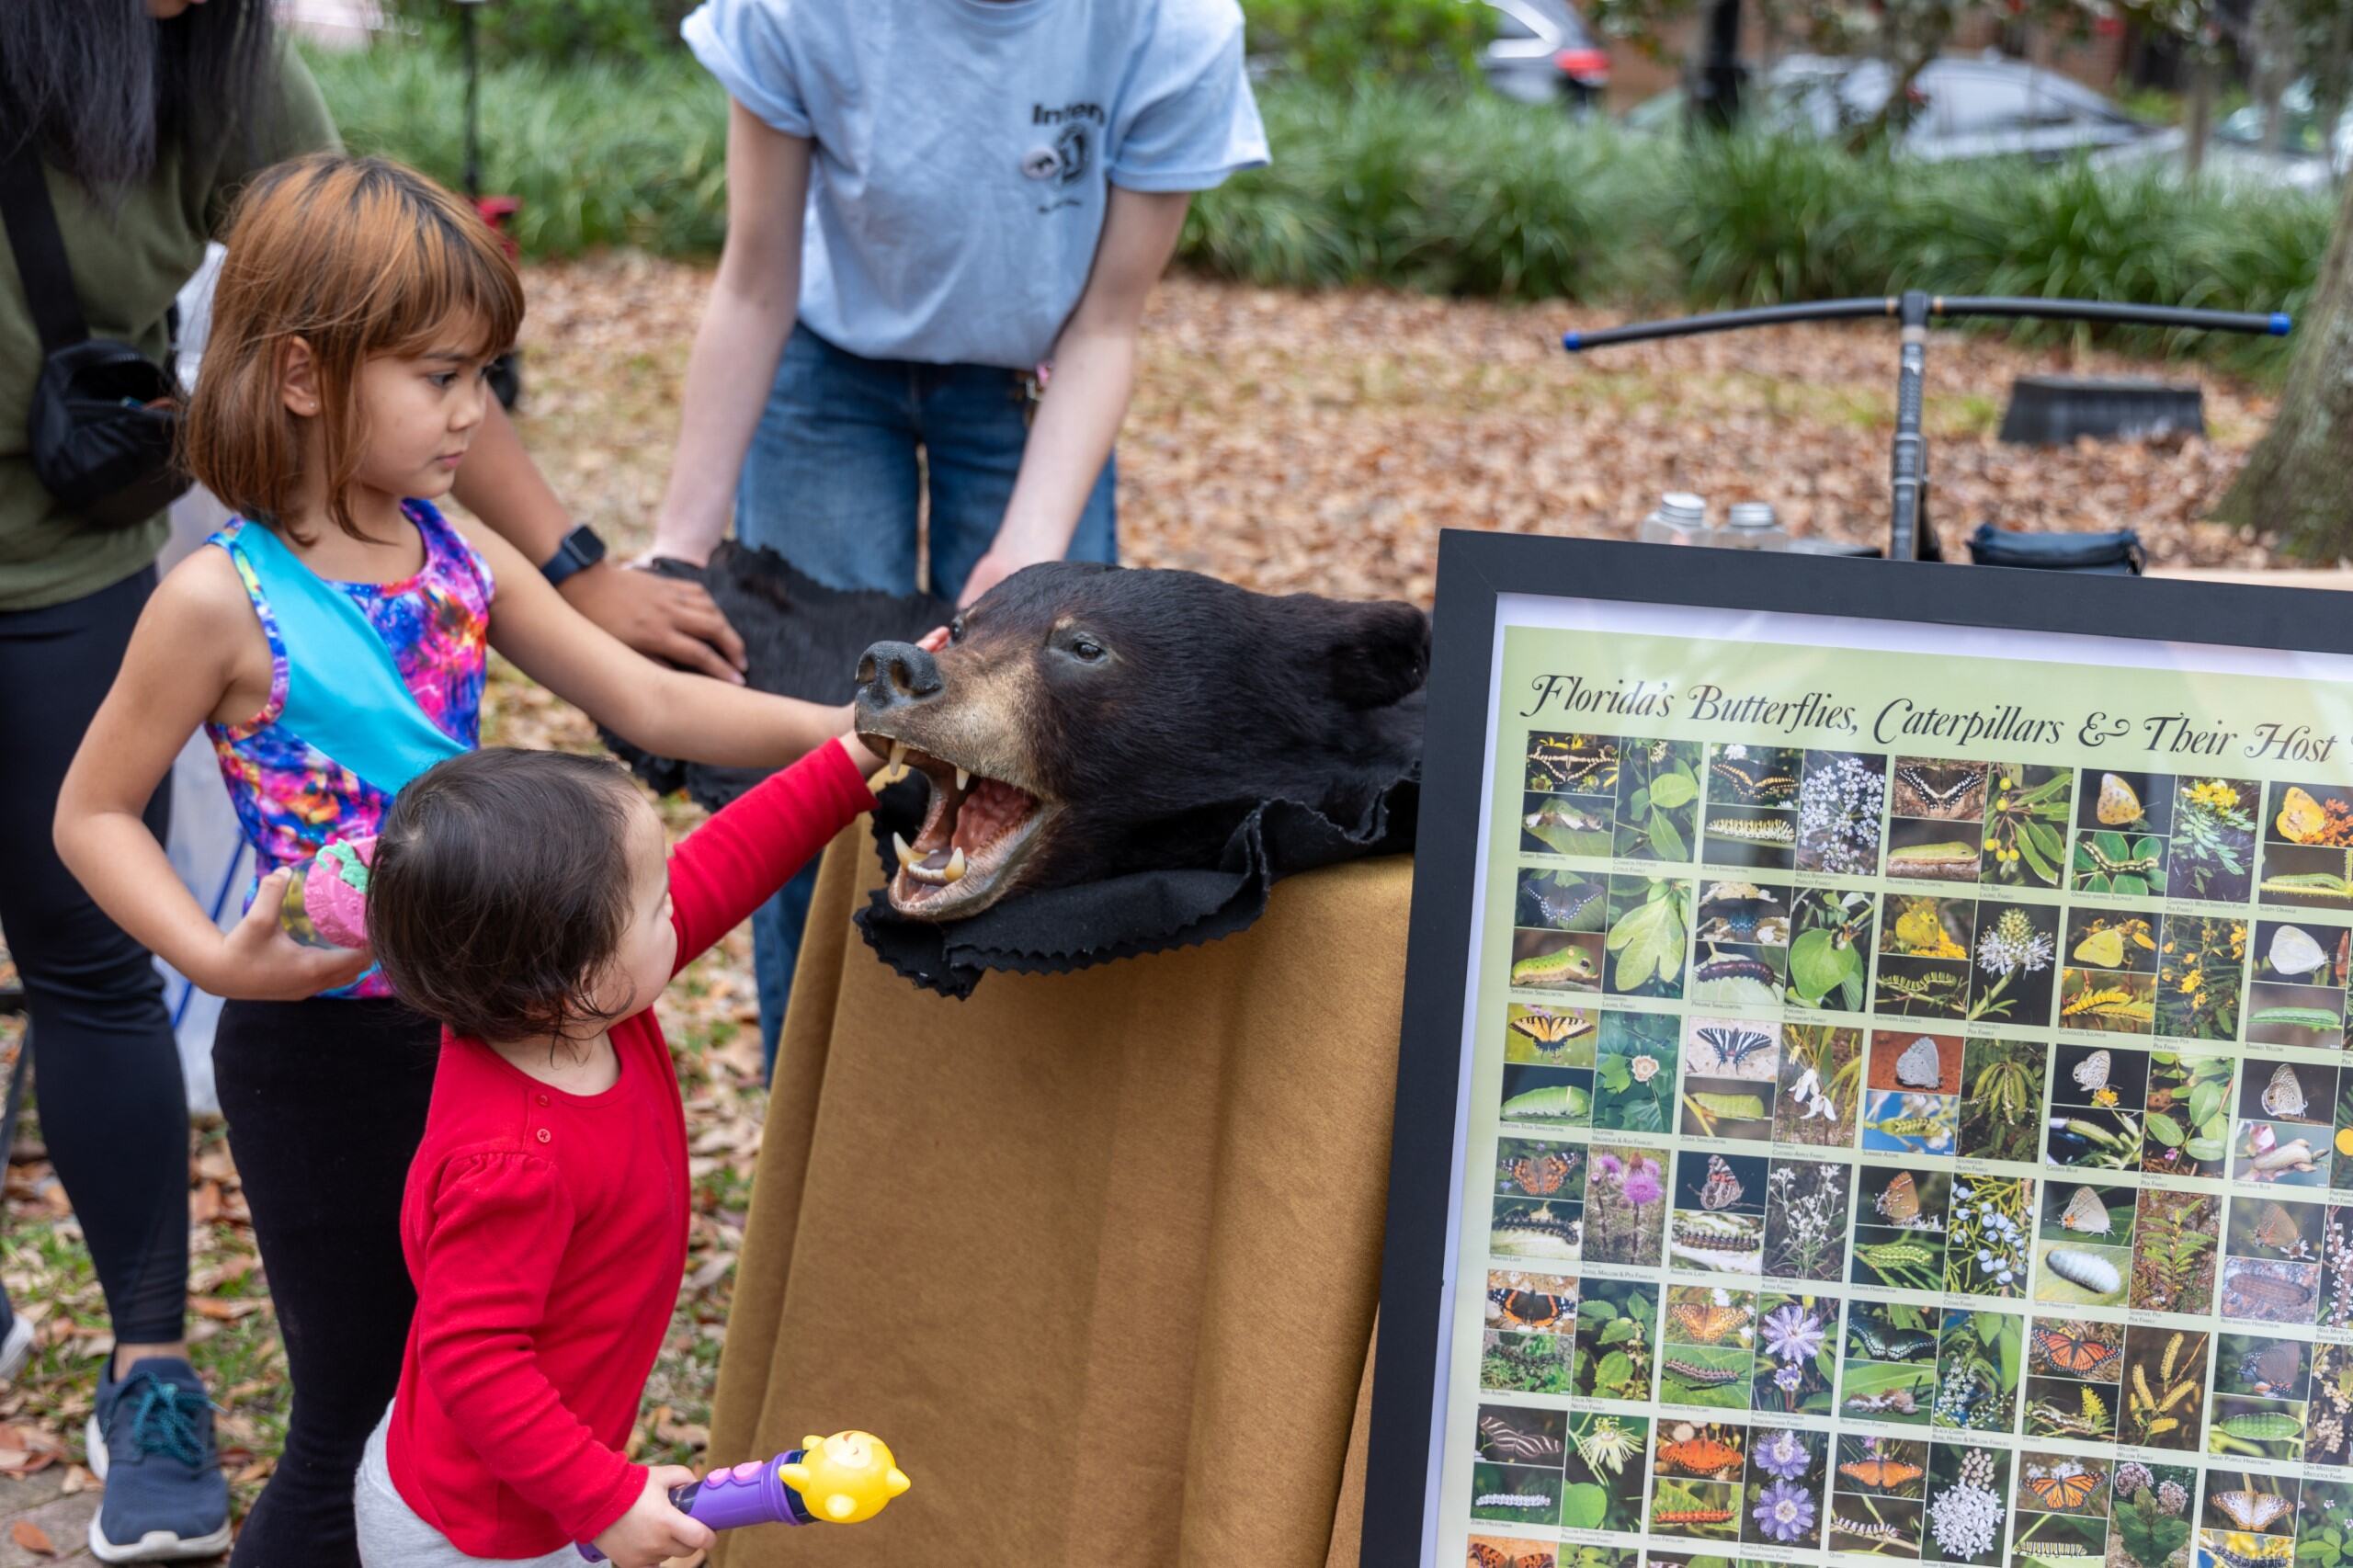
(525, 900)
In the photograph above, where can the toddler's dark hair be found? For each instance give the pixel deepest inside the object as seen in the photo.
(501, 889)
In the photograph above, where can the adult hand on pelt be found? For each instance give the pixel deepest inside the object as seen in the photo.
(259, 962)
(663, 618)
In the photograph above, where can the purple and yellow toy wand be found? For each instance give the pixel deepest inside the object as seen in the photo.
(836, 1481)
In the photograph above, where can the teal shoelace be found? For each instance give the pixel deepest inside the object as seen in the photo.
(165, 1421)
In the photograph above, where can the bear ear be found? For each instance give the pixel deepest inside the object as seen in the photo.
(1381, 655)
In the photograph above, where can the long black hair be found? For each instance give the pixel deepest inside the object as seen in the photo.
(102, 88)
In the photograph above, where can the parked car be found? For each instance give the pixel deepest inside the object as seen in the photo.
(2236, 152)
(1957, 107)
(1543, 54)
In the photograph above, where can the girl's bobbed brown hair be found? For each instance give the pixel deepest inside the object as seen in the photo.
(500, 890)
(357, 258)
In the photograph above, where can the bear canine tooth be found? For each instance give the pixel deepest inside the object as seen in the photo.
(906, 851)
(954, 870)
(963, 777)
(898, 766)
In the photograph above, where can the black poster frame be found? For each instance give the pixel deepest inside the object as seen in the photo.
(1476, 570)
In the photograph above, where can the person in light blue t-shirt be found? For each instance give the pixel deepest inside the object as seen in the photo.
(928, 204)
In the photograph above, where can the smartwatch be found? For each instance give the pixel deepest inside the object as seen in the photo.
(580, 548)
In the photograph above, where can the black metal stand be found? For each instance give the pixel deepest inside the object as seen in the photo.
(1909, 535)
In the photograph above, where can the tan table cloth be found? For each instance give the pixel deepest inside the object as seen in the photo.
(1098, 1253)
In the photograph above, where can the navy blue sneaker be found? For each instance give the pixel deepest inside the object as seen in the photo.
(151, 1442)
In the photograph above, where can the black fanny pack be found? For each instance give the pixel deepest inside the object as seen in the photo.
(2109, 554)
(105, 417)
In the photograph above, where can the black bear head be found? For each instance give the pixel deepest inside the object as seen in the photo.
(1084, 720)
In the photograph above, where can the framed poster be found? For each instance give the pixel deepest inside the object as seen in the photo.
(1874, 1079)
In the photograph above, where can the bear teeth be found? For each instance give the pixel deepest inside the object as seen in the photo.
(912, 864)
(963, 777)
(898, 765)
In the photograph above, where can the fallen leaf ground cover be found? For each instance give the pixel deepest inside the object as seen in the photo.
(1288, 442)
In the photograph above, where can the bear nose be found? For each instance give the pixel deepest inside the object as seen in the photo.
(895, 673)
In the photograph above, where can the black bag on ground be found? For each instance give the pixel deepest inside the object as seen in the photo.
(105, 417)
(2117, 554)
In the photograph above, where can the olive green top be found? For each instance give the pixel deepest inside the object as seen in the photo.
(131, 251)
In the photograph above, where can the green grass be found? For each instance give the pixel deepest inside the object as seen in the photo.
(1438, 190)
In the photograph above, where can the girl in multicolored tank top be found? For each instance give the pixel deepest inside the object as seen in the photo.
(290, 796)
(332, 646)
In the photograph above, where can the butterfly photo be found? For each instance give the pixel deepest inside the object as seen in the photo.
(1510, 1434)
(2094, 1214)
(1525, 1168)
(2123, 802)
(1881, 1467)
(2263, 1367)
(2062, 1483)
(1937, 789)
(1562, 764)
(1913, 1062)
(1559, 901)
(2241, 1500)
(1555, 1036)
(2109, 1077)
(2075, 1347)
(2309, 814)
(2273, 1228)
(1753, 774)
(2282, 1091)
(1720, 1184)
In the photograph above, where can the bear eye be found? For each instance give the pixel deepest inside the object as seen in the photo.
(1085, 649)
(956, 630)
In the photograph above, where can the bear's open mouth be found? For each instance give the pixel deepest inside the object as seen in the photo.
(976, 833)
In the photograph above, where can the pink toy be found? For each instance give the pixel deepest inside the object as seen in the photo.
(326, 900)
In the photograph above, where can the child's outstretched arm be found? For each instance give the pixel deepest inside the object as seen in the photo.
(730, 865)
(666, 712)
(181, 665)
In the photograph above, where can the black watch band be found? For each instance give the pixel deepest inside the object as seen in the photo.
(580, 548)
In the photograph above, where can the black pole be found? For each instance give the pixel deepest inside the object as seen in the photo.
(1717, 98)
(1908, 460)
(473, 101)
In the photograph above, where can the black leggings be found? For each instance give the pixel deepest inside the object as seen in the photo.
(326, 1102)
(113, 1107)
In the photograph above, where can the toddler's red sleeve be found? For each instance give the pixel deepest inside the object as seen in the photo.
(734, 863)
(499, 1227)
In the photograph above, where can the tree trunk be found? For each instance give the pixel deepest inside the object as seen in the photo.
(2297, 486)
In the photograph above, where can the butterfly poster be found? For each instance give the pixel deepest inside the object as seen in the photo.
(1872, 1082)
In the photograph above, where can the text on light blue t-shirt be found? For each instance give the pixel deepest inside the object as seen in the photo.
(962, 150)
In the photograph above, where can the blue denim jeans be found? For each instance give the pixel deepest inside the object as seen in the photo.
(847, 451)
